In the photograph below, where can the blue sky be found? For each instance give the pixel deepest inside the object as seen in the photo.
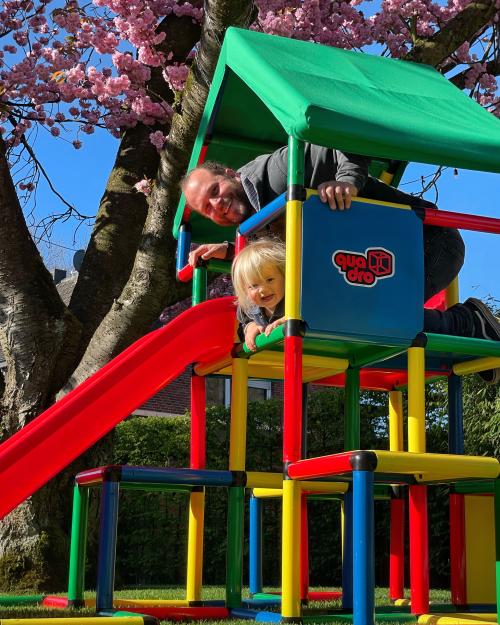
(80, 176)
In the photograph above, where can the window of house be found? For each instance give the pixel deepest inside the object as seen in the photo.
(219, 391)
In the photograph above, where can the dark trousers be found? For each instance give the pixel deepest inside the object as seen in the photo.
(444, 253)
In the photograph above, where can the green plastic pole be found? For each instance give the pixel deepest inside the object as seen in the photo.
(351, 410)
(219, 266)
(234, 557)
(199, 285)
(78, 548)
(462, 345)
(497, 545)
(295, 161)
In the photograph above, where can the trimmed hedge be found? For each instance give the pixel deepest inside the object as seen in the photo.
(152, 528)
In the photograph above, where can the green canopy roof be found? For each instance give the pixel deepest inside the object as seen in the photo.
(266, 88)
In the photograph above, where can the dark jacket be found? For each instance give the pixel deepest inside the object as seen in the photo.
(259, 315)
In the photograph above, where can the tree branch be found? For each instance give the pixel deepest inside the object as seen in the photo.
(459, 29)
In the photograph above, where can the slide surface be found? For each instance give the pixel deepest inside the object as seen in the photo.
(32, 456)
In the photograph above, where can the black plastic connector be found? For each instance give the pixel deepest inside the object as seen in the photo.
(112, 473)
(296, 192)
(295, 327)
(364, 460)
(420, 340)
(239, 478)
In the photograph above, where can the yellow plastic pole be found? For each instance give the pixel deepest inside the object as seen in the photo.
(396, 421)
(478, 364)
(195, 546)
(239, 397)
(416, 399)
(290, 561)
(293, 258)
(452, 294)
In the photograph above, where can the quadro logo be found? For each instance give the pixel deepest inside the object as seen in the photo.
(365, 269)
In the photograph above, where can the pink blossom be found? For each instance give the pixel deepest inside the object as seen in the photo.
(157, 139)
(77, 144)
(144, 186)
(54, 131)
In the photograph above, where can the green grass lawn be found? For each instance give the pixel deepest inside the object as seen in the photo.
(209, 592)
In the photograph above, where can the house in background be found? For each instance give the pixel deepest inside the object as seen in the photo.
(175, 398)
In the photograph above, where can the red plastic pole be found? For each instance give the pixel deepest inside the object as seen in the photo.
(397, 546)
(457, 550)
(304, 550)
(240, 243)
(449, 219)
(292, 419)
(419, 550)
(198, 423)
(321, 466)
(185, 274)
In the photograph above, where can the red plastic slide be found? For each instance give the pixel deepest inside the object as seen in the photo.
(32, 456)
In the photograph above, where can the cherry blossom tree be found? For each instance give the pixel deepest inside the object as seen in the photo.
(141, 69)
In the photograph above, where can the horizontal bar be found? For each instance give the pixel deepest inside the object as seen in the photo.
(166, 475)
(261, 218)
(219, 266)
(212, 367)
(185, 274)
(462, 345)
(450, 219)
(473, 366)
(425, 466)
(257, 479)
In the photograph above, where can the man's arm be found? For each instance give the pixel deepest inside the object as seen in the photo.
(343, 175)
(222, 251)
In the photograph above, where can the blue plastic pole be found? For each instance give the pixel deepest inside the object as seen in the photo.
(347, 572)
(255, 555)
(455, 416)
(364, 557)
(183, 247)
(107, 546)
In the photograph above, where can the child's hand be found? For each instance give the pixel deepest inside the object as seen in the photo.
(252, 331)
(274, 324)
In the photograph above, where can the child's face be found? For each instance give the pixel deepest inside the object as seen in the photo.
(268, 291)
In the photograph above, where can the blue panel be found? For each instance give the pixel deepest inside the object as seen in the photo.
(362, 272)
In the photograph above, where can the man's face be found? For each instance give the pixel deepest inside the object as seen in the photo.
(219, 197)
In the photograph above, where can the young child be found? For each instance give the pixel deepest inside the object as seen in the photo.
(258, 275)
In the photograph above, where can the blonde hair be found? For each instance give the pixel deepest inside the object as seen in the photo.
(249, 265)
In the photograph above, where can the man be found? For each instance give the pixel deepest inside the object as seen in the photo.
(228, 198)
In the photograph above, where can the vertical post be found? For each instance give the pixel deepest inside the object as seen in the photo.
(351, 411)
(397, 531)
(419, 543)
(107, 545)
(183, 246)
(457, 550)
(457, 501)
(304, 550)
(199, 285)
(255, 550)
(240, 243)
(236, 494)
(455, 415)
(78, 548)
(497, 544)
(304, 523)
(194, 574)
(351, 441)
(347, 551)
(363, 543)
(292, 420)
